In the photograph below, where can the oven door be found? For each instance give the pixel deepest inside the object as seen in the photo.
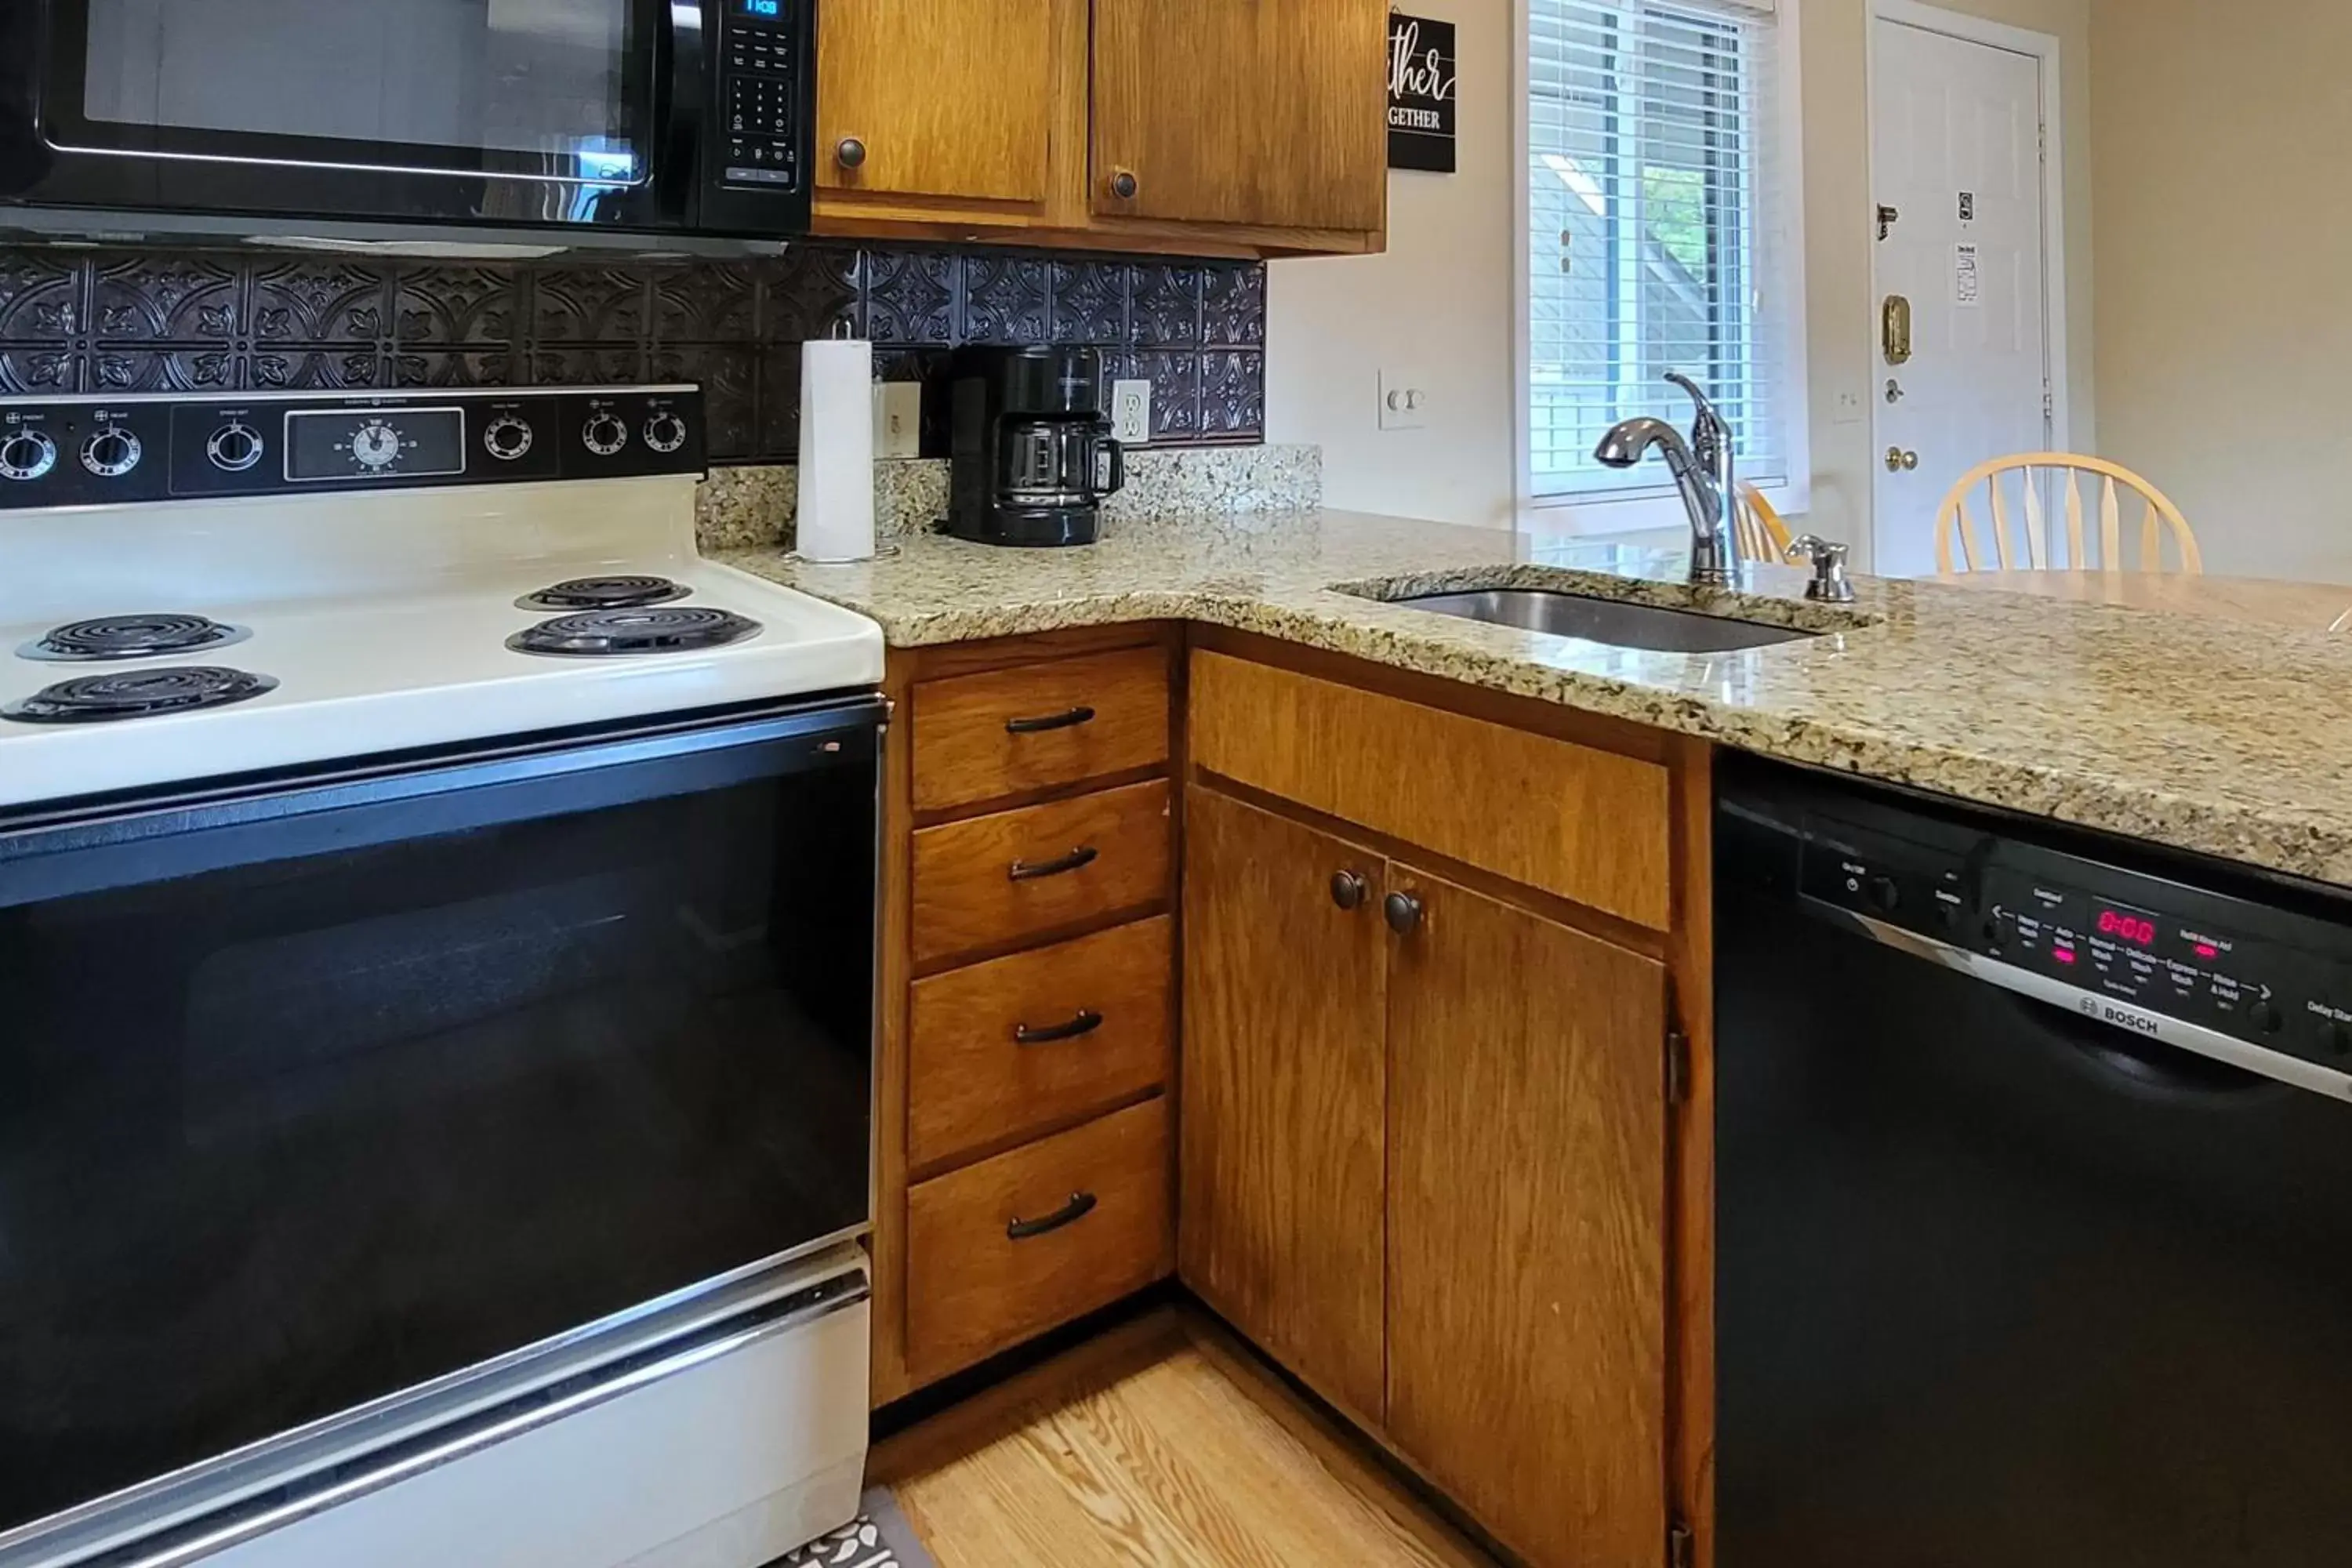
(312, 1095)
(522, 112)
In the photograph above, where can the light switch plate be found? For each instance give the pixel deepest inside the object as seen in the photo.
(1405, 400)
(898, 419)
(1130, 412)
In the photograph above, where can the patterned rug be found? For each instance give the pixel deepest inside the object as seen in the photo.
(880, 1537)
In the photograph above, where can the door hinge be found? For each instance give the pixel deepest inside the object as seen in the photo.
(1678, 1066)
(1681, 1544)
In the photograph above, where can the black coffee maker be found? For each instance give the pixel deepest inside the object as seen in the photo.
(1031, 444)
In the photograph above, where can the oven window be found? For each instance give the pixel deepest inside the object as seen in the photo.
(555, 81)
(285, 1136)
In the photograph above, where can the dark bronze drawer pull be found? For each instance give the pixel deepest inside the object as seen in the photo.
(1080, 1205)
(1076, 860)
(1070, 720)
(1086, 1023)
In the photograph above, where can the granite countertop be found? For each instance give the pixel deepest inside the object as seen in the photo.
(2213, 736)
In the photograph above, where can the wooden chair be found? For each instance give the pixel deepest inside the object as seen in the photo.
(2032, 516)
(1762, 536)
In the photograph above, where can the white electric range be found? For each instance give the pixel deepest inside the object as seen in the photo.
(437, 909)
(347, 621)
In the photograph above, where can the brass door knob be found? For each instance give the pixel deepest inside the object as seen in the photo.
(851, 152)
(1899, 461)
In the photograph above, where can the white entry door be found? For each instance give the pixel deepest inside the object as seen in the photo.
(1957, 156)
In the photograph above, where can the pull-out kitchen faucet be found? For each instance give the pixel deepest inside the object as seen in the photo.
(1702, 468)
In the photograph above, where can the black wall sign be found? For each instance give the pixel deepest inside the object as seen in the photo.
(1421, 93)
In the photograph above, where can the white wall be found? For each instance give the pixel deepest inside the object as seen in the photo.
(1439, 303)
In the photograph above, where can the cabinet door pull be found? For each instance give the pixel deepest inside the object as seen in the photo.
(1080, 1205)
(1124, 184)
(1403, 912)
(1076, 860)
(1069, 720)
(1349, 889)
(1086, 1023)
(852, 152)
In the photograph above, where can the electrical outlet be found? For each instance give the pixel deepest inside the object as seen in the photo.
(1405, 400)
(1130, 412)
(1850, 408)
(898, 419)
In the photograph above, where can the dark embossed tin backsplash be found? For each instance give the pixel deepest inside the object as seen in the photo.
(141, 320)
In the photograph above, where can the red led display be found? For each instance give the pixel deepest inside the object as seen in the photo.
(2125, 926)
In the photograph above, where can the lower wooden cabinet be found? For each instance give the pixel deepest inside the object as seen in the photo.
(1282, 1140)
(1526, 1200)
(1013, 1245)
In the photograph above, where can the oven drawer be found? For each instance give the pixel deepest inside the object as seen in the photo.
(1017, 1244)
(995, 883)
(1004, 1049)
(1042, 726)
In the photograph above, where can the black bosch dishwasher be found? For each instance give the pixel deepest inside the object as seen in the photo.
(2035, 1207)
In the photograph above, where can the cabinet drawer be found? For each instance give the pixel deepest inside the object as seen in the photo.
(1001, 1050)
(1014, 1244)
(984, 737)
(1588, 826)
(993, 881)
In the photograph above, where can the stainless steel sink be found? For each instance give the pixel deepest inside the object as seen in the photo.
(1610, 621)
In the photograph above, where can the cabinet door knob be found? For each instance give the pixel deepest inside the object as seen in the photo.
(1123, 185)
(1403, 913)
(1349, 889)
(852, 152)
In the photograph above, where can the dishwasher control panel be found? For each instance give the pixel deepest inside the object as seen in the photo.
(2268, 977)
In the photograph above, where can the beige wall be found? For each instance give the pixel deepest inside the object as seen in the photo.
(2224, 241)
(1441, 300)
(1438, 303)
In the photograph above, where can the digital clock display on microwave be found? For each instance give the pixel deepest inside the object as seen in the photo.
(769, 9)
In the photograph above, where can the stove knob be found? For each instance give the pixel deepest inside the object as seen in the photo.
(605, 434)
(235, 448)
(665, 433)
(111, 452)
(28, 455)
(507, 438)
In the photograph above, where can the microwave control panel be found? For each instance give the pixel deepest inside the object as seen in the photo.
(765, 61)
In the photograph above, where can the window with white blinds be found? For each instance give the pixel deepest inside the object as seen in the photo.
(1655, 219)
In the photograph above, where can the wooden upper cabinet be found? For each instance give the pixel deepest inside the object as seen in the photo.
(1281, 1135)
(1526, 1227)
(947, 99)
(1269, 113)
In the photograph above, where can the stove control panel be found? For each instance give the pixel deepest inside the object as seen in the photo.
(2251, 970)
(81, 451)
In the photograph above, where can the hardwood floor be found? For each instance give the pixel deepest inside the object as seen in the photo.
(1161, 1444)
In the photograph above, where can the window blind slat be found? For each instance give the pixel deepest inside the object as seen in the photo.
(1652, 171)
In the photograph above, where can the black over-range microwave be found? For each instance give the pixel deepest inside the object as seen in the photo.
(653, 119)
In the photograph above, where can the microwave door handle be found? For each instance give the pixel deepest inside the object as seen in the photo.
(679, 100)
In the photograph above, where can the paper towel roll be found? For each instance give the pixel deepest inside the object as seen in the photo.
(837, 506)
